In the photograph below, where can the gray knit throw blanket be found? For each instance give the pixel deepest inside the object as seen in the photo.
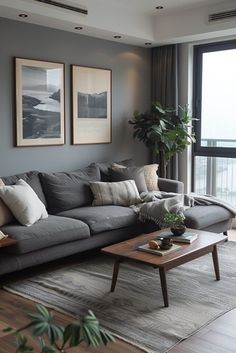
(156, 204)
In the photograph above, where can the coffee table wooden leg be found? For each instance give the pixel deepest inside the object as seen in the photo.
(115, 274)
(216, 262)
(162, 273)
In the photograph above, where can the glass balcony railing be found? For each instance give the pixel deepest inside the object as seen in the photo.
(216, 175)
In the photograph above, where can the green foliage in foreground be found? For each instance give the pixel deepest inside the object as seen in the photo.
(54, 338)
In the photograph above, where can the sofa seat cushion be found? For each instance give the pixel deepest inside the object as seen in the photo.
(200, 217)
(45, 233)
(103, 218)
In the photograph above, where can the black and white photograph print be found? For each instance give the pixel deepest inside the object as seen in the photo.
(39, 102)
(91, 105)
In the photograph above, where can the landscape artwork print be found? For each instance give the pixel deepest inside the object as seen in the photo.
(91, 105)
(39, 103)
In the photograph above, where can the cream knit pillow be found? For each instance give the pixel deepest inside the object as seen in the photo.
(23, 203)
(121, 193)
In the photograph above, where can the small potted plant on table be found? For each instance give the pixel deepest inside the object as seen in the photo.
(176, 223)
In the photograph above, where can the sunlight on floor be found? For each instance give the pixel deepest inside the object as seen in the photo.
(232, 234)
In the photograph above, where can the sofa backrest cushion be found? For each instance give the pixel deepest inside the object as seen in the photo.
(67, 190)
(31, 178)
(105, 168)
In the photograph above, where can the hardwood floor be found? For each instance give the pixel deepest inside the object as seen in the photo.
(13, 311)
(217, 337)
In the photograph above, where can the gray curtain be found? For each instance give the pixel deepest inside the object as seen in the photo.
(165, 87)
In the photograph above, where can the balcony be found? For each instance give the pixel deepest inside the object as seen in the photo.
(216, 175)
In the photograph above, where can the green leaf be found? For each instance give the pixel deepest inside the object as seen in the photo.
(8, 329)
(43, 311)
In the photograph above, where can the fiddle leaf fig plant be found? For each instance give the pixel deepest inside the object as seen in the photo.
(164, 132)
(54, 338)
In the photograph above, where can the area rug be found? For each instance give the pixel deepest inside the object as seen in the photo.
(135, 310)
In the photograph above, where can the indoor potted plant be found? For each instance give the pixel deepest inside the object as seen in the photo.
(54, 338)
(164, 132)
(176, 223)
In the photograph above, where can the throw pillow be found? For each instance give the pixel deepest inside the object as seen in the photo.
(130, 173)
(150, 175)
(31, 178)
(23, 203)
(105, 168)
(5, 214)
(67, 190)
(122, 193)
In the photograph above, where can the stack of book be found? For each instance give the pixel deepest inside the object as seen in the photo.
(187, 237)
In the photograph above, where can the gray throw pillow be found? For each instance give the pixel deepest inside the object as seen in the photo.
(130, 173)
(67, 190)
(105, 168)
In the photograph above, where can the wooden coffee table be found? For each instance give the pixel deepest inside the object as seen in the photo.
(206, 243)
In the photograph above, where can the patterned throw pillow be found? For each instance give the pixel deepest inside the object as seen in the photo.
(5, 214)
(122, 193)
(150, 175)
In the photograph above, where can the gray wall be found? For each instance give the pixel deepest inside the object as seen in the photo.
(131, 74)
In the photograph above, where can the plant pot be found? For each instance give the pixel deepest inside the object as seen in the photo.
(178, 230)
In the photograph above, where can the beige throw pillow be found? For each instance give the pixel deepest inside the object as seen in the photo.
(121, 193)
(150, 175)
(5, 214)
(23, 203)
(151, 178)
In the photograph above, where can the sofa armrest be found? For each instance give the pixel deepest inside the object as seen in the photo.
(170, 185)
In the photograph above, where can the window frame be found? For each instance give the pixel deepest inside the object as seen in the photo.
(199, 50)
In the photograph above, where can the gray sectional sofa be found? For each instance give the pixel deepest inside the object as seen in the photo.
(74, 225)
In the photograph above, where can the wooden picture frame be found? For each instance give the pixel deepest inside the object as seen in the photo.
(40, 106)
(92, 108)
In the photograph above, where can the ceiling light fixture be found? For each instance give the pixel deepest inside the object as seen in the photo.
(23, 15)
(117, 37)
(148, 43)
(78, 28)
(159, 7)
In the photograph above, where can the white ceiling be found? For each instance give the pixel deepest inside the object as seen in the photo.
(137, 21)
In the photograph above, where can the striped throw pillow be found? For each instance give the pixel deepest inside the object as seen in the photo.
(121, 193)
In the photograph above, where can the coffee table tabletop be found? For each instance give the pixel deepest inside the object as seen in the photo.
(204, 244)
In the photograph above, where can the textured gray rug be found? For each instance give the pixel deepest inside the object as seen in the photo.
(135, 310)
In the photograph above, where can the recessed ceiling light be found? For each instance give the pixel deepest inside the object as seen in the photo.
(117, 37)
(23, 15)
(79, 28)
(148, 43)
(159, 7)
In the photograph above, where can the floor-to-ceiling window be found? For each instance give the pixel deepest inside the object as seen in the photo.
(214, 156)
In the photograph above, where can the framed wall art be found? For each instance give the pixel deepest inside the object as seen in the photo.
(39, 102)
(92, 116)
